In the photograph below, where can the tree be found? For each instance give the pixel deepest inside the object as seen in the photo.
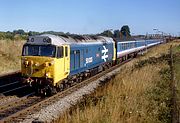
(31, 33)
(2, 35)
(9, 35)
(125, 31)
(116, 34)
(107, 33)
(19, 31)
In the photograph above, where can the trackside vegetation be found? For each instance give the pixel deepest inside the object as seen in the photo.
(176, 54)
(10, 55)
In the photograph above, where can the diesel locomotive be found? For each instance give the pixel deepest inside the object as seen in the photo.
(51, 63)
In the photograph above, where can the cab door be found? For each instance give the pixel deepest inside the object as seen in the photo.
(59, 65)
(66, 60)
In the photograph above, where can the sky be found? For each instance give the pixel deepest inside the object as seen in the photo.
(90, 16)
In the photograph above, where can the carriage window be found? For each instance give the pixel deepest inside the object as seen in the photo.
(66, 51)
(122, 46)
(60, 52)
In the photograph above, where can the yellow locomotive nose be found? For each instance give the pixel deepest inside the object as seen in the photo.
(46, 64)
(26, 63)
(48, 75)
(31, 62)
(36, 64)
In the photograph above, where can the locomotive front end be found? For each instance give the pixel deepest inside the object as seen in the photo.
(42, 63)
(37, 65)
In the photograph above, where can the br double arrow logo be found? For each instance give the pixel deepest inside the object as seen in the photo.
(104, 52)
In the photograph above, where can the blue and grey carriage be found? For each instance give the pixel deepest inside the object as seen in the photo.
(131, 48)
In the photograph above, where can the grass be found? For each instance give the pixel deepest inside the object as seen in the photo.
(136, 95)
(127, 99)
(177, 73)
(176, 52)
(10, 52)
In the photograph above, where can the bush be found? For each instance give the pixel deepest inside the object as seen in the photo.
(12, 36)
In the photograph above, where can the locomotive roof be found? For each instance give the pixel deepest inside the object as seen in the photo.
(65, 39)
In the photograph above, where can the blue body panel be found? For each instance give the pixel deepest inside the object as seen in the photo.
(86, 56)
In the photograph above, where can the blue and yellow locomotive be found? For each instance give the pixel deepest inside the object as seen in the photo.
(51, 63)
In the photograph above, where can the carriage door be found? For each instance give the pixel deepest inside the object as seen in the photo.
(66, 60)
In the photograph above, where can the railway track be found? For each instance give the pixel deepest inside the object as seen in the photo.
(10, 84)
(18, 111)
(16, 105)
(8, 78)
(13, 95)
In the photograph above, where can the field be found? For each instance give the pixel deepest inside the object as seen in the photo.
(10, 52)
(140, 93)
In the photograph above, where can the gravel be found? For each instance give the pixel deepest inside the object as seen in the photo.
(52, 112)
(7, 99)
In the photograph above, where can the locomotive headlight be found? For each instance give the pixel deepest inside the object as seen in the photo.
(47, 74)
(36, 64)
(26, 63)
(51, 63)
(46, 64)
(31, 62)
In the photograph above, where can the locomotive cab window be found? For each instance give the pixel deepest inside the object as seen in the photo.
(60, 52)
(39, 50)
(66, 51)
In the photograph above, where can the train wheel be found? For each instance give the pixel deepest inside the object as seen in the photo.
(50, 90)
(60, 87)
